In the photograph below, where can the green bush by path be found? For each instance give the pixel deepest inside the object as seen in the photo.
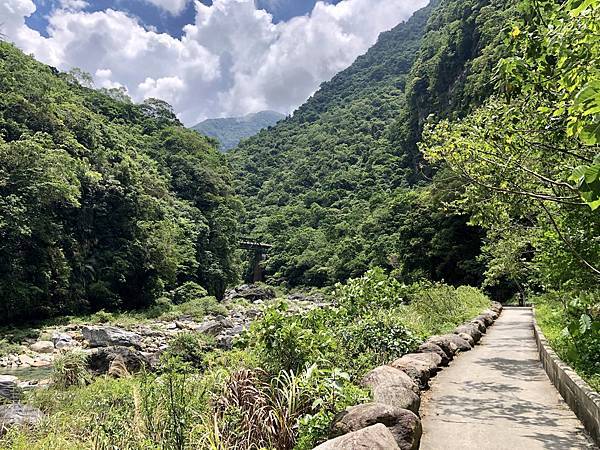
(571, 323)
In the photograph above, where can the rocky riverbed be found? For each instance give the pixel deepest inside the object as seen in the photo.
(139, 343)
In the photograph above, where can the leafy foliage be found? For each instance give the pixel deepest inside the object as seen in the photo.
(330, 187)
(103, 203)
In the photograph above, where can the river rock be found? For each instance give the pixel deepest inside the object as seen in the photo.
(101, 360)
(26, 360)
(101, 336)
(393, 387)
(19, 415)
(480, 325)
(417, 370)
(445, 344)
(404, 424)
(488, 319)
(375, 437)
(430, 347)
(9, 388)
(468, 338)
(491, 312)
(471, 329)
(42, 347)
(250, 292)
(62, 340)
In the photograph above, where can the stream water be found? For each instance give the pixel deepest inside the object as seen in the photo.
(28, 373)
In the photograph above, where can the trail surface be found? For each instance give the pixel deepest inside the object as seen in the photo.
(498, 397)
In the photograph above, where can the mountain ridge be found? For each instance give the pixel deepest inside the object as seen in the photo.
(229, 131)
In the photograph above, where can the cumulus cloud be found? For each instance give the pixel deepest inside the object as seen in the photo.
(232, 60)
(175, 7)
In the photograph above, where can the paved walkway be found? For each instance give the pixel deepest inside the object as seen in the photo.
(498, 397)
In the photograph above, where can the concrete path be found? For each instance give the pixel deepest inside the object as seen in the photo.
(497, 397)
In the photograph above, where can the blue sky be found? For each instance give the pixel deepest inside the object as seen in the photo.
(153, 16)
(217, 58)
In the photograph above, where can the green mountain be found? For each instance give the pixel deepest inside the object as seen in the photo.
(103, 203)
(230, 131)
(340, 186)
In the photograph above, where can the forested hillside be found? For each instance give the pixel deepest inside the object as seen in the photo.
(229, 131)
(340, 186)
(103, 203)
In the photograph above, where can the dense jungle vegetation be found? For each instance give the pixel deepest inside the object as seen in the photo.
(103, 203)
(459, 155)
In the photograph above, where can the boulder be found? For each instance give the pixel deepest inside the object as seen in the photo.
(404, 424)
(26, 360)
(497, 307)
(471, 329)
(433, 360)
(250, 292)
(393, 387)
(42, 347)
(62, 340)
(19, 415)
(468, 338)
(101, 336)
(488, 319)
(490, 312)
(9, 388)
(375, 437)
(446, 345)
(430, 347)
(461, 344)
(480, 325)
(105, 360)
(417, 370)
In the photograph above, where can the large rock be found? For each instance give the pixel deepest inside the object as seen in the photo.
(42, 347)
(62, 340)
(404, 424)
(101, 336)
(375, 437)
(492, 313)
(471, 329)
(467, 337)
(113, 359)
(430, 347)
(497, 307)
(19, 415)
(445, 344)
(9, 388)
(451, 343)
(488, 319)
(393, 387)
(419, 371)
(481, 326)
(250, 292)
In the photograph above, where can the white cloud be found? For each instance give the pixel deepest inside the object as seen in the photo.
(232, 60)
(73, 5)
(174, 7)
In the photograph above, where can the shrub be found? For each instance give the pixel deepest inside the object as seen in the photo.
(190, 348)
(195, 309)
(102, 317)
(7, 348)
(187, 292)
(290, 342)
(70, 369)
(375, 289)
(162, 306)
(571, 323)
(374, 340)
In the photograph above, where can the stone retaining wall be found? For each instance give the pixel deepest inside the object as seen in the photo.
(580, 397)
(391, 421)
